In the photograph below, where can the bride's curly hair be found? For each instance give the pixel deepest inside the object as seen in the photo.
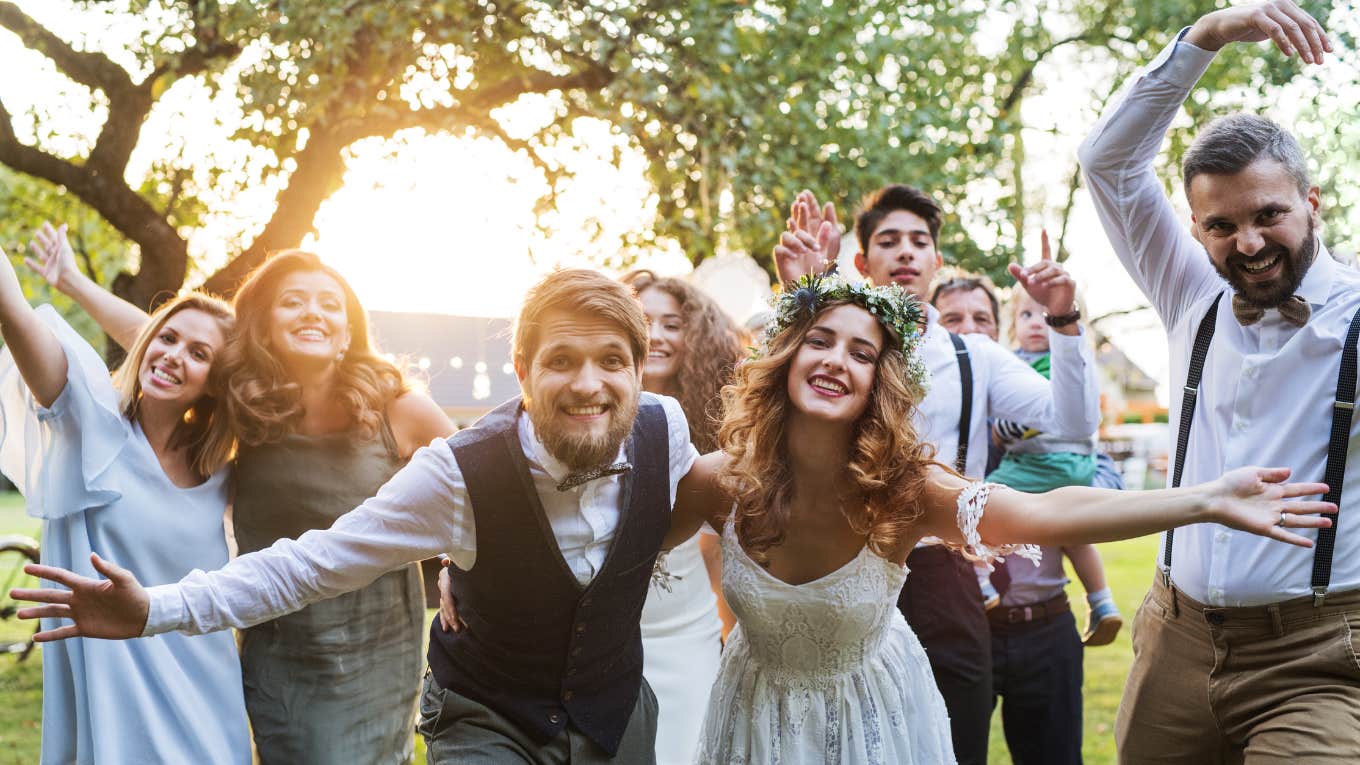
(713, 346)
(263, 402)
(888, 462)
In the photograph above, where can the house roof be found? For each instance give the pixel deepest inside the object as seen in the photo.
(464, 360)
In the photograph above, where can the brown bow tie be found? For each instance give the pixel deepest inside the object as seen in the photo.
(579, 477)
(1294, 310)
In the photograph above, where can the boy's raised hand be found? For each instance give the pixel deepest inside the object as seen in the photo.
(1047, 282)
(812, 241)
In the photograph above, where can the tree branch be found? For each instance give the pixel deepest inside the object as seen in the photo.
(1027, 76)
(510, 88)
(1121, 312)
(112, 198)
(94, 70)
(319, 164)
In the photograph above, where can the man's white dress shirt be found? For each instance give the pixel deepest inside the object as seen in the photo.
(1004, 387)
(422, 511)
(1267, 392)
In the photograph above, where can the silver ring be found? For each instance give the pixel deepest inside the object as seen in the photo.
(1282, 517)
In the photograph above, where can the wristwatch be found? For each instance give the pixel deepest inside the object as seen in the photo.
(1064, 319)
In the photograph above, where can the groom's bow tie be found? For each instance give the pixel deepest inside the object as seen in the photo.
(1294, 309)
(578, 477)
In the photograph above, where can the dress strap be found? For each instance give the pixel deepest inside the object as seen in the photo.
(389, 439)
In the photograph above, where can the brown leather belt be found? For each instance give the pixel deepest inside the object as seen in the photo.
(1006, 616)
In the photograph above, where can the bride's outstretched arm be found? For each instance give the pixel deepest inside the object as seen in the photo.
(1248, 499)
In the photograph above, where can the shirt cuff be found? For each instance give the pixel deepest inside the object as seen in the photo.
(166, 612)
(1067, 345)
(1181, 63)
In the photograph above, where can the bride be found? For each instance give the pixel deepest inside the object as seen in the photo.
(820, 490)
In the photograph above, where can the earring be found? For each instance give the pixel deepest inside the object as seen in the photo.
(340, 357)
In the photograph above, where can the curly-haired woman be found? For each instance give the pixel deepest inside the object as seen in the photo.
(694, 348)
(323, 421)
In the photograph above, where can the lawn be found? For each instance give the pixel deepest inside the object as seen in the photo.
(1127, 564)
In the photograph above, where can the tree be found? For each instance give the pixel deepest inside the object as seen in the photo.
(736, 104)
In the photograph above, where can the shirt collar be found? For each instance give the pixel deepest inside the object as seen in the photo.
(933, 328)
(539, 454)
(1317, 283)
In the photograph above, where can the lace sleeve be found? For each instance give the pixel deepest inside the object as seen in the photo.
(971, 504)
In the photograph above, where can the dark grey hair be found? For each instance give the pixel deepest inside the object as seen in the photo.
(1231, 143)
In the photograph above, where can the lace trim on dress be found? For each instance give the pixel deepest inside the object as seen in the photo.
(971, 504)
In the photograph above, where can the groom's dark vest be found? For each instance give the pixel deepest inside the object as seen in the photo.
(540, 648)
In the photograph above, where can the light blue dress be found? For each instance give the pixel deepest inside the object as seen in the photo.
(93, 478)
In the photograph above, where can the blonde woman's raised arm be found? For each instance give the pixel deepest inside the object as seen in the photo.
(37, 354)
(55, 261)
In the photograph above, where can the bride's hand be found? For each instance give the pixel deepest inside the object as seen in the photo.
(1253, 499)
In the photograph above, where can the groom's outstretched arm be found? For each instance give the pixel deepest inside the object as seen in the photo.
(421, 511)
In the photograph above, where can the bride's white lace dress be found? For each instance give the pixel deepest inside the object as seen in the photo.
(828, 671)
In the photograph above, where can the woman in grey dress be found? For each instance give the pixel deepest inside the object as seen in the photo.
(323, 422)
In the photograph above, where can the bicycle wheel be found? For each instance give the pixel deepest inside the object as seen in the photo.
(16, 636)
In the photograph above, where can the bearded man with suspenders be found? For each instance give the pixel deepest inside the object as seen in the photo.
(1245, 650)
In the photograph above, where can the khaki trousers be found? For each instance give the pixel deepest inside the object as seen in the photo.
(1252, 685)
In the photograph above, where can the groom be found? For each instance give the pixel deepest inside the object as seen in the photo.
(552, 507)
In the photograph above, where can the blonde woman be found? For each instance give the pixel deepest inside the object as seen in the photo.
(132, 467)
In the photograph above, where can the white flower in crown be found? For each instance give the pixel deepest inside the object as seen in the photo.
(896, 309)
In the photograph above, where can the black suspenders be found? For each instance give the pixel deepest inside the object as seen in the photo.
(1335, 474)
(1342, 409)
(966, 410)
(1203, 336)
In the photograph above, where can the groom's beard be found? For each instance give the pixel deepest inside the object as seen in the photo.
(1293, 266)
(582, 450)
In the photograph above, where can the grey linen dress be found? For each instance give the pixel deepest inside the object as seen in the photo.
(338, 680)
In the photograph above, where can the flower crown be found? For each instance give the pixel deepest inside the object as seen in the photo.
(895, 308)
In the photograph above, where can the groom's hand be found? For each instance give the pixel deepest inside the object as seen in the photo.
(114, 608)
(1280, 21)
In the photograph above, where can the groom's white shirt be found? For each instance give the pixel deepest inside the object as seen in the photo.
(422, 511)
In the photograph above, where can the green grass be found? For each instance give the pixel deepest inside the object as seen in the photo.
(1128, 566)
(20, 682)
